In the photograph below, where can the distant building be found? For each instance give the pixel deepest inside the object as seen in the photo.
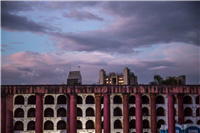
(181, 80)
(74, 78)
(125, 78)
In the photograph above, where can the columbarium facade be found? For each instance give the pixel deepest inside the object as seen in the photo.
(97, 108)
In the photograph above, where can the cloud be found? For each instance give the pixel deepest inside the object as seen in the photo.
(16, 42)
(159, 67)
(52, 68)
(81, 15)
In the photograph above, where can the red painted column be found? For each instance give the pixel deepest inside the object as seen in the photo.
(73, 113)
(180, 109)
(199, 105)
(68, 114)
(106, 113)
(153, 114)
(171, 120)
(39, 113)
(139, 125)
(125, 114)
(3, 113)
(9, 114)
(98, 113)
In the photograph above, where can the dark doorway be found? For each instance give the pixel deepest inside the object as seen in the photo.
(160, 100)
(31, 112)
(159, 123)
(188, 111)
(61, 112)
(145, 100)
(79, 124)
(48, 112)
(117, 100)
(117, 124)
(49, 100)
(160, 112)
(89, 112)
(89, 100)
(79, 100)
(48, 125)
(61, 125)
(61, 99)
(79, 112)
(132, 111)
(19, 100)
(90, 124)
(31, 125)
(117, 112)
(132, 99)
(19, 113)
(19, 126)
(32, 100)
(132, 124)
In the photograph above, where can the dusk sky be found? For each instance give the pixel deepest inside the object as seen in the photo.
(40, 41)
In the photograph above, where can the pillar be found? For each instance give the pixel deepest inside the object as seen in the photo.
(125, 114)
(171, 120)
(180, 109)
(138, 116)
(39, 113)
(98, 113)
(153, 113)
(73, 113)
(9, 114)
(199, 105)
(3, 113)
(68, 114)
(106, 113)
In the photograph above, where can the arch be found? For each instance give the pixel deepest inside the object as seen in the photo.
(102, 125)
(79, 124)
(117, 124)
(175, 114)
(89, 112)
(145, 124)
(62, 99)
(19, 126)
(197, 112)
(102, 100)
(160, 99)
(131, 99)
(31, 112)
(89, 124)
(32, 99)
(48, 112)
(79, 112)
(48, 125)
(19, 100)
(159, 123)
(198, 122)
(132, 111)
(197, 100)
(79, 100)
(145, 111)
(31, 125)
(175, 100)
(188, 121)
(132, 124)
(145, 100)
(187, 100)
(188, 111)
(160, 111)
(61, 125)
(49, 99)
(117, 100)
(19, 113)
(61, 112)
(102, 112)
(117, 112)
(89, 100)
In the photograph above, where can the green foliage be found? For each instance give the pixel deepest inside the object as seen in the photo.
(158, 80)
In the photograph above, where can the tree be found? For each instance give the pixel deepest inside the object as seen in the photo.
(158, 80)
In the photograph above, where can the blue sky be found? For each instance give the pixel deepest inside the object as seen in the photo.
(40, 41)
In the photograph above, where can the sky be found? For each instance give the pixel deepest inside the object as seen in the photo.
(41, 41)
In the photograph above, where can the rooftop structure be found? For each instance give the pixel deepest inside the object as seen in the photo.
(74, 78)
(181, 80)
(125, 78)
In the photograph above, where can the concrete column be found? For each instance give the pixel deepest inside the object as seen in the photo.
(9, 114)
(125, 114)
(39, 113)
(68, 114)
(138, 116)
(98, 113)
(180, 109)
(153, 114)
(171, 120)
(106, 113)
(3, 113)
(73, 113)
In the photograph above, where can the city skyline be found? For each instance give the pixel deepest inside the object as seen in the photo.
(40, 41)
